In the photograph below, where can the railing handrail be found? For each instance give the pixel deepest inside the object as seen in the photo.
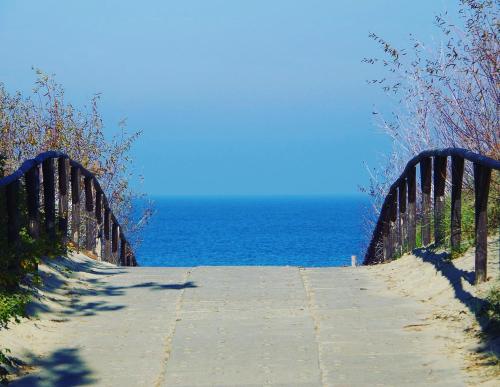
(30, 163)
(388, 212)
(477, 158)
(35, 162)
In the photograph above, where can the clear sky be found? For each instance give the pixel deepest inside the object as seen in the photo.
(249, 97)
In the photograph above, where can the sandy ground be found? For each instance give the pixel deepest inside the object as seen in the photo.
(448, 289)
(78, 290)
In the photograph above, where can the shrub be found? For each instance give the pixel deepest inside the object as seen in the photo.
(448, 97)
(45, 121)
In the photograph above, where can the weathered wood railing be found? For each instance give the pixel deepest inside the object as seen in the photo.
(101, 226)
(395, 230)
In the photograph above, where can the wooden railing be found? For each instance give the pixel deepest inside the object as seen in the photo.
(395, 230)
(103, 234)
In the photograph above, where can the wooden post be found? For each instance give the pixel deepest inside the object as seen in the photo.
(412, 208)
(425, 181)
(482, 178)
(389, 213)
(107, 246)
(457, 173)
(75, 206)
(114, 241)
(132, 256)
(403, 243)
(123, 255)
(89, 208)
(32, 179)
(439, 187)
(386, 231)
(98, 207)
(393, 230)
(63, 167)
(378, 245)
(13, 228)
(375, 251)
(49, 197)
(13, 212)
(98, 217)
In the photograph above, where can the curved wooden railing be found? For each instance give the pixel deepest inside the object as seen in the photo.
(100, 222)
(395, 230)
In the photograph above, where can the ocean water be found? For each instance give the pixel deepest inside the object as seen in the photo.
(298, 231)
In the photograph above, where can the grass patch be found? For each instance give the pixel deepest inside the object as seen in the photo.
(467, 220)
(491, 311)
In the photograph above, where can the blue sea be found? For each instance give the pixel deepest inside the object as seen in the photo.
(298, 231)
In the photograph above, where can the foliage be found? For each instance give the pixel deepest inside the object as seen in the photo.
(23, 258)
(448, 95)
(2, 165)
(12, 308)
(45, 121)
(467, 223)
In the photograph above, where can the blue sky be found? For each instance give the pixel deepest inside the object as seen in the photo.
(252, 97)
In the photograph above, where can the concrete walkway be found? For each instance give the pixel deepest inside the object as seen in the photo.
(228, 326)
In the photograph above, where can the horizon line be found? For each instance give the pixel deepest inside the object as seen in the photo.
(271, 195)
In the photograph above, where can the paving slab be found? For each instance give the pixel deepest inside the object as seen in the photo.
(365, 333)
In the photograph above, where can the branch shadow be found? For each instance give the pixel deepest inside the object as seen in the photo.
(73, 300)
(102, 289)
(76, 306)
(62, 368)
(157, 286)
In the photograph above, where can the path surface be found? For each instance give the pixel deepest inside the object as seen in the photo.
(227, 326)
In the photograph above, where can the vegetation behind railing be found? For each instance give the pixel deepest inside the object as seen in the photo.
(42, 211)
(395, 232)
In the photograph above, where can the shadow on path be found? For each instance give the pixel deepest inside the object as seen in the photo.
(103, 289)
(157, 286)
(76, 302)
(475, 304)
(62, 368)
